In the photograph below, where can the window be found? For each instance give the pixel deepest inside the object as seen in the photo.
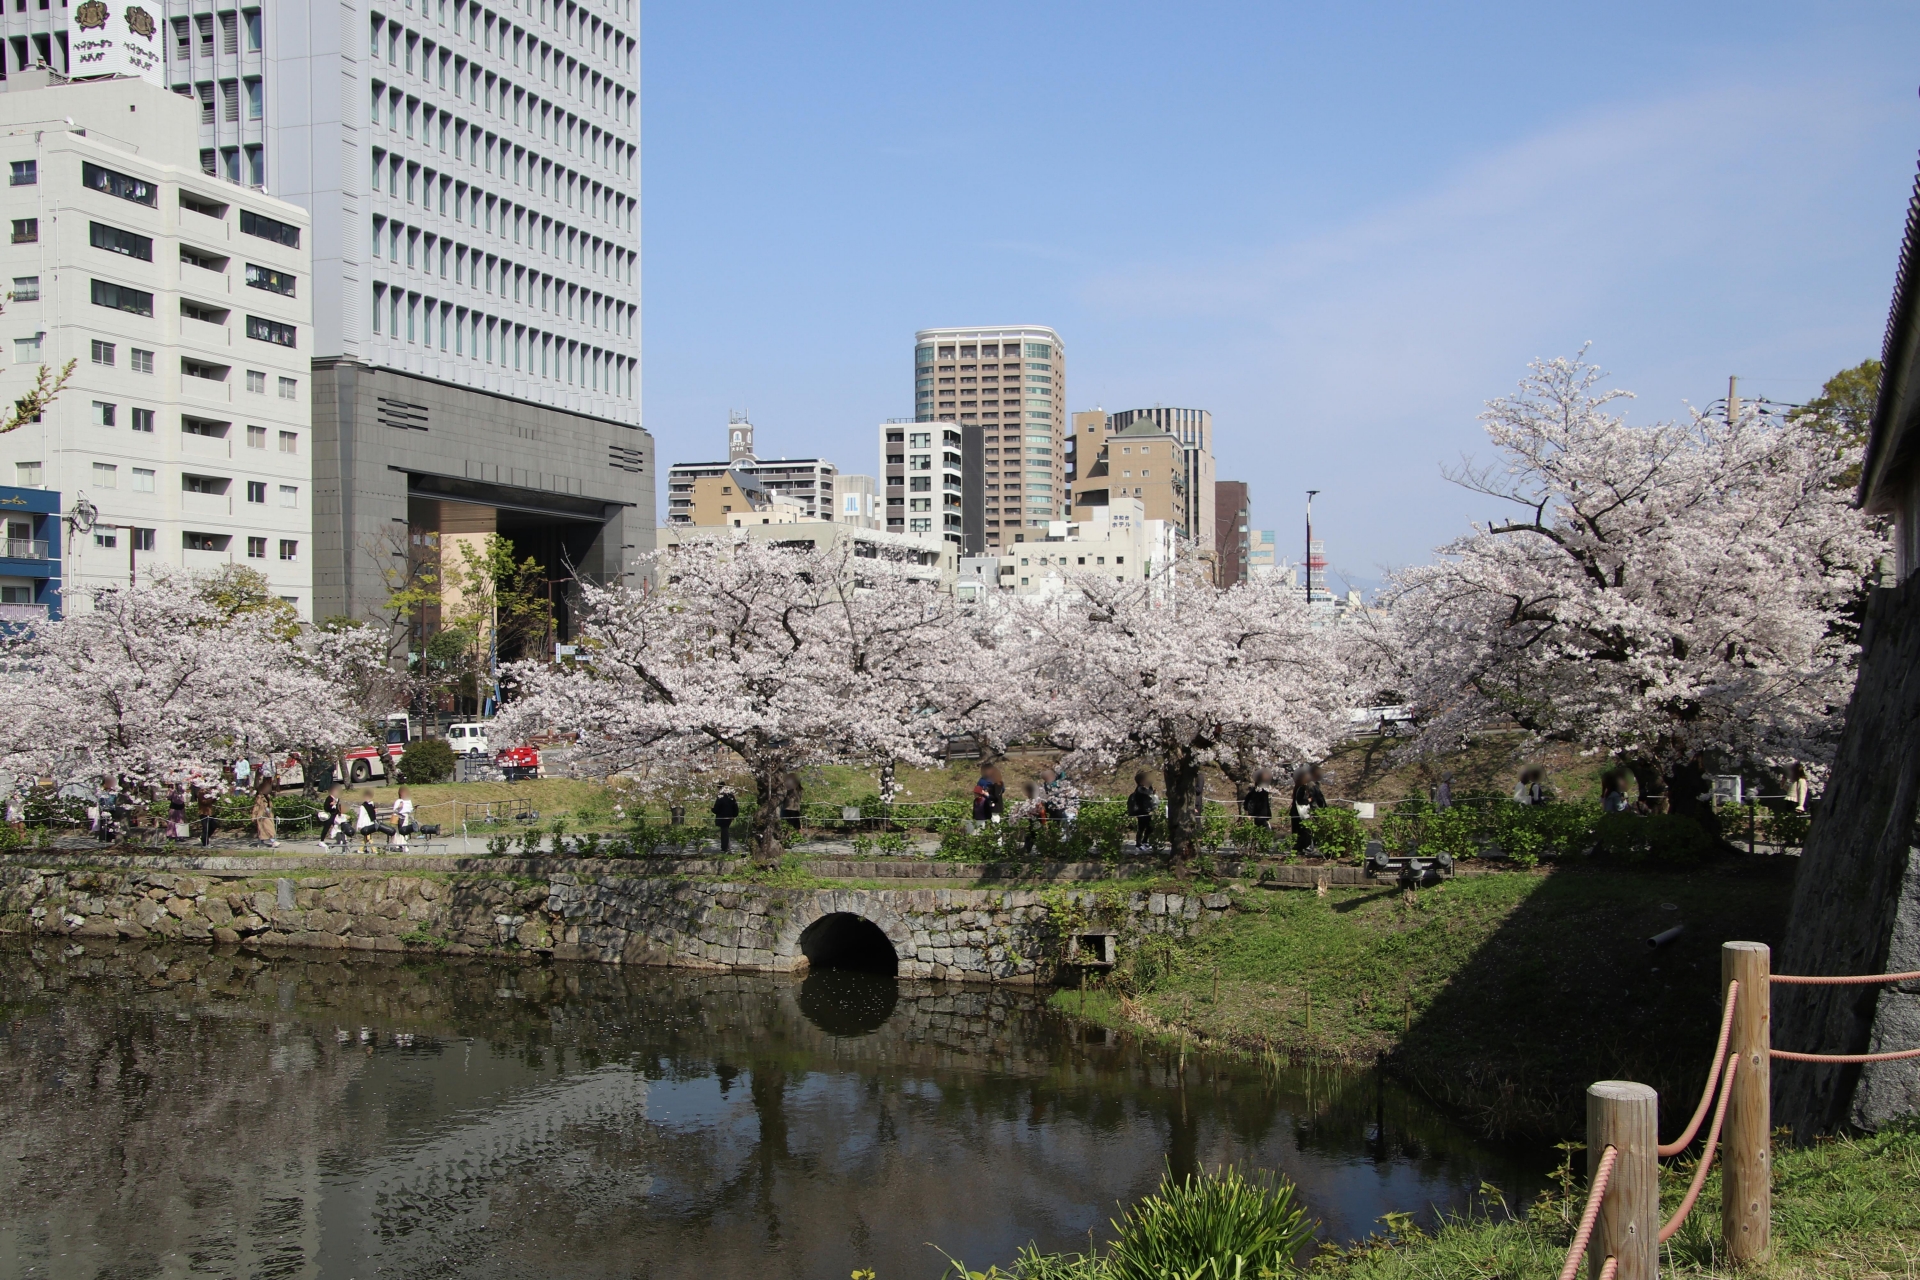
(204, 541)
(257, 491)
(120, 298)
(270, 331)
(256, 437)
(203, 427)
(26, 288)
(289, 495)
(259, 277)
(25, 173)
(142, 361)
(266, 228)
(202, 312)
(105, 475)
(253, 29)
(201, 369)
(201, 204)
(107, 538)
(113, 183)
(26, 230)
(143, 420)
(290, 387)
(256, 548)
(27, 350)
(103, 414)
(143, 480)
(257, 381)
(27, 474)
(102, 352)
(255, 100)
(205, 261)
(289, 549)
(143, 539)
(289, 442)
(114, 240)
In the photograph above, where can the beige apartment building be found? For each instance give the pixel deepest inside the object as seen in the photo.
(1140, 463)
(1193, 428)
(699, 493)
(1005, 388)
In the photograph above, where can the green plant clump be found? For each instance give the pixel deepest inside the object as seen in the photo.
(425, 762)
(1651, 840)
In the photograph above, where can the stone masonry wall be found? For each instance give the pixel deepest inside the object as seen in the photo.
(997, 935)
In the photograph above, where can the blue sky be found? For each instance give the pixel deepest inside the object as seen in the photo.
(1341, 228)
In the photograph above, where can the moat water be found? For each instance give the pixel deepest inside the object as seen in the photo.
(176, 1112)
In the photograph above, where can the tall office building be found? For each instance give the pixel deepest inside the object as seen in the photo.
(185, 305)
(1232, 547)
(1194, 429)
(1005, 388)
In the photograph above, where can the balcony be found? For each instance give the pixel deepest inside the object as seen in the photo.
(26, 549)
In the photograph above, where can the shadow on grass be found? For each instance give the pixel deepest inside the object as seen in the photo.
(1568, 991)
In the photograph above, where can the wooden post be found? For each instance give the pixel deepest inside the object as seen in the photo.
(1626, 1117)
(1746, 1160)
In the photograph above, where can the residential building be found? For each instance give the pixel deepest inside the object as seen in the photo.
(30, 557)
(1140, 462)
(920, 463)
(1231, 548)
(1005, 389)
(924, 557)
(697, 490)
(1263, 554)
(857, 502)
(1193, 428)
(1117, 541)
(186, 307)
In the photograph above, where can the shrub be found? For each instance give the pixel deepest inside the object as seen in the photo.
(1337, 833)
(426, 761)
(1654, 839)
(1222, 1224)
(1784, 827)
(1454, 832)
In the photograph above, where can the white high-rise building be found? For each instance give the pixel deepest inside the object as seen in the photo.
(920, 464)
(185, 305)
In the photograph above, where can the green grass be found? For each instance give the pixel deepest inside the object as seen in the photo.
(1502, 997)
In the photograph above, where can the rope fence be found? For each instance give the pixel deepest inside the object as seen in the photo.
(1596, 1194)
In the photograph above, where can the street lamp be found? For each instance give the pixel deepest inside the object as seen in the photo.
(85, 518)
(1306, 565)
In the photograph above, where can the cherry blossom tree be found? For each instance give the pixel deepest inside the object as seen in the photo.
(1179, 674)
(157, 683)
(779, 658)
(1660, 590)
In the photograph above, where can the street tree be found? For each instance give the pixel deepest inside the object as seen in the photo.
(774, 658)
(1661, 590)
(1177, 674)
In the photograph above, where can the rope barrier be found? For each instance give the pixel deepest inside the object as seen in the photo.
(1706, 1156)
(1681, 1143)
(1854, 981)
(1610, 1268)
(1844, 1057)
(1596, 1193)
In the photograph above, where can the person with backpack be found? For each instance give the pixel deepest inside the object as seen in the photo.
(1140, 806)
(1258, 802)
(725, 809)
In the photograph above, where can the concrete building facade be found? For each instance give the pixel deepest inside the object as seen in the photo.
(1193, 428)
(920, 464)
(917, 556)
(186, 306)
(1005, 390)
(1141, 463)
(1118, 542)
(1232, 545)
(697, 492)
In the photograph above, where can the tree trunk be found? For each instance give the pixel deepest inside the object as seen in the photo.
(1651, 781)
(769, 787)
(1186, 810)
(1853, 888)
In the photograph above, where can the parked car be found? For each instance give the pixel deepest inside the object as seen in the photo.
(468, 739)
(518, 763)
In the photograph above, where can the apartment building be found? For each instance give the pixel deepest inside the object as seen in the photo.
(1141, 463)
(697, 492)
(920, 463)
(30, 557)
(1193, 428)
(921, 557)
(1005, 390)
(186, 307)
(1232, 547)
(857, 502)
(1117, 541)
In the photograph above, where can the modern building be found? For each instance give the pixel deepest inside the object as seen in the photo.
(30, 557)
(1005, 389)
(1193, 428)
(1141, 462)
(857, 502)
(1232, 549)
(920, 463)
(919, 556)
(1263, 554)
(697, 492)
(1118, 541)
(185, 306)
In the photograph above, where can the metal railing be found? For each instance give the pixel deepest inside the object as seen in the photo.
(26, 549)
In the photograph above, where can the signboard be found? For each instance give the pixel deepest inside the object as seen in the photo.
(115, 39)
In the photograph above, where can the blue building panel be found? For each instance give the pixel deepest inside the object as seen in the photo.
(29, 554)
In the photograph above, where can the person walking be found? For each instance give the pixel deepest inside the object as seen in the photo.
(982, 796)
(1258, 802)
(242, 774)
(402, 821)
(177, 812)
(1140, 804)
(725, 809)
(1306, 798)
(996, 794)
(1443, 794)
(264, 828)
(204, 812)
(1035, 809)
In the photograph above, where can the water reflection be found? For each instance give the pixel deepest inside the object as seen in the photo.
(181, 1113)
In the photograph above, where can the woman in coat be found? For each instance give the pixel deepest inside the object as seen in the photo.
(1258, 802)
(725, 810)
(1140, 809)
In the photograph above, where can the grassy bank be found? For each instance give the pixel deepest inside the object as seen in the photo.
(1501, 997)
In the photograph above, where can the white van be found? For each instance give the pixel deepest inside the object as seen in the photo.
(468, 740)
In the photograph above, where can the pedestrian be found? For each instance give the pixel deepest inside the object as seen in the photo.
(204, 811)
(983, 796)
(177, 812)
(996, 794)
(16, 814)
(366, 820)
(1307, 797)
(725, 809)
(1140, 805)
(332, 816)
(1532, 789)
(1799, 787)
(264, 829)
(402, 821)
(1443, 794)
(1258, 802)
(1613, 794)
(242, 774)
(790, 793)
(1035, 809)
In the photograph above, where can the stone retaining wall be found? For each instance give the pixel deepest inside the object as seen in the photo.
(577, 912)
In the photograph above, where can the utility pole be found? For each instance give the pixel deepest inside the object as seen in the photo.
(1306, 564)
(1733, 400)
